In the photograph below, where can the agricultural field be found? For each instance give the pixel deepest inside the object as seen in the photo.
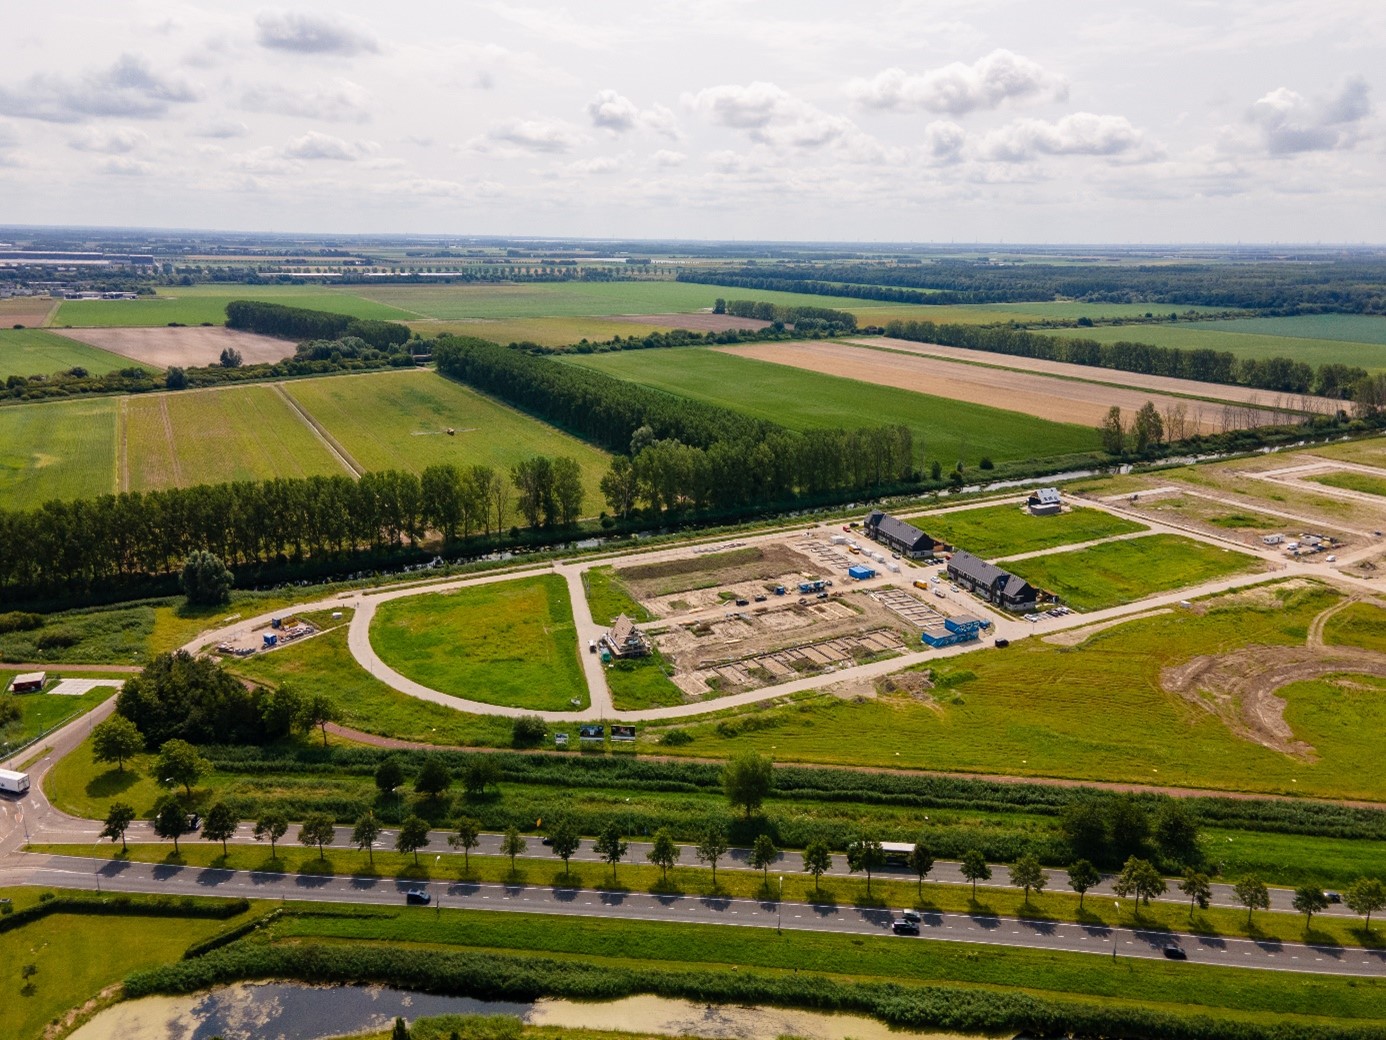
(608, 597)
(34, 352)
(1363, 483)
(547, 332)
(510, 642)
(1120, 572)
(57, 449)
(1236, 338)
(29, 311)
(206, 304)
(1008, 530)
(248, 432)
(943, 429)
(156, 347)
(399, 420)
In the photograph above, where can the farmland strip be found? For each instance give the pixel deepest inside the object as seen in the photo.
(348, 463)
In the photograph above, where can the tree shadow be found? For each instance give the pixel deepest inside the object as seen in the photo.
(111, 783)
(874, 901)
(664, 887)
(1089, 918)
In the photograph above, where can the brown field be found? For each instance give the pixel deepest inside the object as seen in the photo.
(699, 322)
(1239, 395)
(29, 311)
(1042, 396)
(160, 347)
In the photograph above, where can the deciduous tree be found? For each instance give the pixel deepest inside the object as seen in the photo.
(1365, 896)
(118, 819)
(220, 825)
(1027, 874)
(610, 846)
(763, 856)
(748, 779)
(1198, 888)
(1309, 900)
(663, 852)
(365, 832)
(272, 825)
(865, 854)
(712, 845)
(564, 839)
(466, 838)
(170, 820)
(206, 580)
(818, 860)
(921, 862)
(413, 836)
(1252, 893)
(975, 869)
(180, 763)
(115, 740)
(1082, 876)
(317, 829)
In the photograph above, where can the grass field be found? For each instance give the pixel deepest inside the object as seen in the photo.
(608, 597)
(943, 429)
(1347, 328)
(547, 332)
(1349, 481)
(397, 420)
(1361, 624)
(44, 711)
(1010, 529)
(34, 352)
(197, 304)
(1238, 338)
(511, 642)
(1121, 572)
(57, 449)
(210, 436)
(642, 683)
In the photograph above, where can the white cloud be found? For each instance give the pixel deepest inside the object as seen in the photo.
(221, 129)
(1081, 133)
(311, 34)
(338, 101)
(667, 157)
(770, 115)
(1290, 123)
(129, 88)
(124, 166)
(618, 114)
(315, 145)
(597, 164)
(520, 136)
(957, 89)
(116, 140)
(944, 140)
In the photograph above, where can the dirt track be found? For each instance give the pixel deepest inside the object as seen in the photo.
(161, 346)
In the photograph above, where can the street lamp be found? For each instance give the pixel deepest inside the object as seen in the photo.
(1117, 904)
(779, 909)
(438, 908)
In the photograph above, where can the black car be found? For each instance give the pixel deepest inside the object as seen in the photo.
(1001, 644)
(1333, 897)
(194, 823)
(901, 926)
(1175, 953)
(743, 603)
(417, 897)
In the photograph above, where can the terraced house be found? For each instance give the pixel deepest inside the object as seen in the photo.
(986, 579)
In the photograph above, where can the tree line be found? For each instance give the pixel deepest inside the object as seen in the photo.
(804, 319)
(750, 278)
(299, 323)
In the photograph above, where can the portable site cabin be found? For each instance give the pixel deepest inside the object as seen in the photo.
(859, 572)
(29, 682)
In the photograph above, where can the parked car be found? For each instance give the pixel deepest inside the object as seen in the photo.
(760, 599)
(194, 823)
(743, 603)
(417, 897)
(900, 926)
(1001, 644)
(1175, 953)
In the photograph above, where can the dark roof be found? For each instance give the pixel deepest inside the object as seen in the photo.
(976, 570)
(905, 534)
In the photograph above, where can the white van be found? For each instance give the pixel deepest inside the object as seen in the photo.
(13, 783)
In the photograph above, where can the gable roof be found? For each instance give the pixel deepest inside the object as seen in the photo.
(622, 630)
(1046, 497)
(906, 534)
(976, 570)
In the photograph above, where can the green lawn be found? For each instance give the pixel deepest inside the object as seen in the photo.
(57, 449)
(206, 304)
(511, 642)
(642, 683)
(1361, 624)
(398, 420)
(943, 429)
(34, 352)
(1245, 338)
(608, 598)
(1008, 530)
(1122, 572)
(45, 711)
(1349, 481)
(214, 436)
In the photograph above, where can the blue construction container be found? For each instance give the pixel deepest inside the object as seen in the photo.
(964, 624)
(860, 573)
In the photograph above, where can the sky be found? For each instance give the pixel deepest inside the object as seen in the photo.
(1022, 121)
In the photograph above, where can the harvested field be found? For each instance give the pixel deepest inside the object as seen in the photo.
(1043, 396)
(29, 311)
(715, 570)
(160, 347)
(702, 322)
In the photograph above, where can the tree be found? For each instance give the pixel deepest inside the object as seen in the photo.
(865, 854)
(663, 852)
(763, 855)
(567, 490)
(1309, 900)
(1198, 888)
(1138, 878)
(280, 711)
(180, 763)
(527, 731)
(317, 829)
(921, 862)
(220, 825)
(480, 773)
(619, 486)
(271, 825)
(175, 378)
(564, 839)
(512, 845)
(170, 820)
(818, 860)
(466, 838)
(610, 846)
(413, 836)
(747, 779)
(1252, 893)
(1128, 826)
(1365, 896)
(1084, 827)
(1148, 428)
(230, 358)
(1176, 833)
(1113, 435)
(1082, 876)
(318, 710)
(118, 820)
(388, 776)
(712, 845)
(974, 869)
(433, 778)
(206, 580)
(401, 1031)
(115, 740)
(1027, 874)
(365, 832)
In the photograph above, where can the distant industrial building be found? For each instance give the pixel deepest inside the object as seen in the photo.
(991, 582)
(1045, 502)
(906, 539)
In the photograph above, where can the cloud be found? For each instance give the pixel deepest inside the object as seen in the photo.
(311, 34)
(619, 114)
(957, 89)
(944, 140)
(129, 88)
(598, 164)
(519, 136)
(666, 157)
(124, 166)
(1081, 133)
(338, 101)
(315, 145)
(770, 115)
(1290, 123)
(221, 129)
(114, 141)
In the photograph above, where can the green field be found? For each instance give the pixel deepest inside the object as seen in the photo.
(608, 597)
(1008, 530)
(511, 642)
(1228, 336)
(1348, 481)
(1361, 624)
(642, 683)
(1349, 328)
(57, 449)
(246, 432)
(398, 420)
(34, 352)
(547, 332)
(1122, 572)
(943, 429)
(199, 304)
(44, 711)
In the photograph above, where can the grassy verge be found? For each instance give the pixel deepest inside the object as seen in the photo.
(608, 597)
(642, 683)
(43, 712)
(1361, 482)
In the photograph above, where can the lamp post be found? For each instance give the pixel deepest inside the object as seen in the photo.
(779, 909)
(1117, 904)
(438, 907)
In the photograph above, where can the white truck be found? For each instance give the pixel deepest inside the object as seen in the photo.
(13, 783)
